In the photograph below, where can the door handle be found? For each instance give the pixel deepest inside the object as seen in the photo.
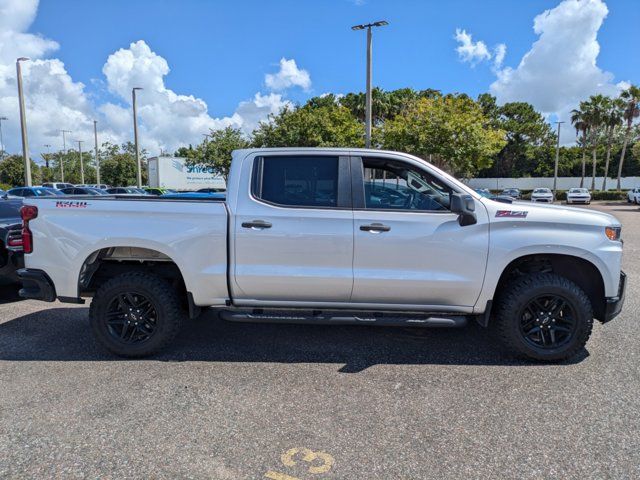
(256, 224)
(375, 228)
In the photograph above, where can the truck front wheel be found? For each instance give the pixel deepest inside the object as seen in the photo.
(544, 316)
(135, 314)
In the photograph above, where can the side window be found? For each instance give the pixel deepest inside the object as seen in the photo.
(395, 185)
(297, 181)
(28, 193)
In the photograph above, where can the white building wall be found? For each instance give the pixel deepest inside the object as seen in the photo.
(564, 183)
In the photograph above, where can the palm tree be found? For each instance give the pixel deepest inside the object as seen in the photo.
(593, 111)
(611, 120)
(581, 126)
(631, 97)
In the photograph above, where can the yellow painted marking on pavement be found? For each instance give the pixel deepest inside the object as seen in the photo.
(279, 476)
(323, 462)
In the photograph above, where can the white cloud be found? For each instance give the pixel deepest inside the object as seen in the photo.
(498, 55)
(55, 101)
(288, 76)
(561, 67)
(470, 51)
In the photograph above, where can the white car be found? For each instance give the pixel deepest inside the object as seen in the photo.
(633, 195)
(304, 236)
(578, 195)
(542, 195)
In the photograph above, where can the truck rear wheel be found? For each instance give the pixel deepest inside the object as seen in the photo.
(544, 316)
(135, 314)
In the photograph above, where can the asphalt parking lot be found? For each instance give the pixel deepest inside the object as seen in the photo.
(241, 401)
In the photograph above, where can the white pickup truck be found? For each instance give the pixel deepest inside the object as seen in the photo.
(328, 236)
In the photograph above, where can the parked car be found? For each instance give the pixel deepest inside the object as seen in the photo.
(11, 258)
(139, 191)
(101, 186)
(300, 239)
(210, 190)
(633, 195)
(485, 192)
(34, 192)
(578, 195)
(194, 195)
(123, 191)
(542, 195)
(83, 191)
(158, 191)
(57, 185)
(511, 192)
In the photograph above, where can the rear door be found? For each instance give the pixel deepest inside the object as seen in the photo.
(294, 231)
(409, 247)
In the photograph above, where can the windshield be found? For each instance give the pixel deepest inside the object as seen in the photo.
(578, 190)
(542, 190)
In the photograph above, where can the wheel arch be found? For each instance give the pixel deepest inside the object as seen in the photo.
(580, 271)
(104, 263)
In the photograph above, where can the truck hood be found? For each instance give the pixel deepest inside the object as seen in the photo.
(558, 214)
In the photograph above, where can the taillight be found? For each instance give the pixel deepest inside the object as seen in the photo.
(27, 212)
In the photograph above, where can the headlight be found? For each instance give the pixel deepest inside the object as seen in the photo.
(613, 233)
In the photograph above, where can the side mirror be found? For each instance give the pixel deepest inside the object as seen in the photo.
(464, 205)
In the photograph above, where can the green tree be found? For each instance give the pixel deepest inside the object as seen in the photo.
(12, 171)
(118, 164)
(593, 112)
(611, 120)
(631, 97)
(308, 126)
(216, 150)
(581, 124)
(451, 131)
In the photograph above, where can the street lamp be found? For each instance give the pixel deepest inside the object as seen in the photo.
(64, 150)
(2, 141)
(367, 114)
(80, 142)
(135, 133)
(555, 168)
(23, 124)
(95, 138)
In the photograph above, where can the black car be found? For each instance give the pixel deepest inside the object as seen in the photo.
(83, 191)
(11, 258)
(511, 192)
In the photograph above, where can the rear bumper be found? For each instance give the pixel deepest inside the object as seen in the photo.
(613, 305)
(36, 285)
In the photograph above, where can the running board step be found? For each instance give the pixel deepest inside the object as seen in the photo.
(343, 318)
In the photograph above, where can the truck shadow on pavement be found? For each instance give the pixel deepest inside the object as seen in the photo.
(63, 334)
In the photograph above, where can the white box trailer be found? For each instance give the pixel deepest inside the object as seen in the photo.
(174, 173)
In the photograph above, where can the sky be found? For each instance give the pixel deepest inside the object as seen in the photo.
(209, 64)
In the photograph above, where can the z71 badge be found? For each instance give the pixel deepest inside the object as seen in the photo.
(512, 213)
(71, 204)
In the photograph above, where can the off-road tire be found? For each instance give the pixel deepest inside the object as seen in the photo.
(158, 292)
(519, 293)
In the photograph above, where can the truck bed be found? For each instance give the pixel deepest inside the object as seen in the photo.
(192, 233)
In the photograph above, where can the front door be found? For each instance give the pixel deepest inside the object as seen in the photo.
(409, 247)
(294, 232)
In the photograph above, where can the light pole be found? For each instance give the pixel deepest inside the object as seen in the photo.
(2, 141)
(95, 138)
(64, 151)
(367, 111)
(23, 124)
(135, 134)
(80, 142)
(555, 168)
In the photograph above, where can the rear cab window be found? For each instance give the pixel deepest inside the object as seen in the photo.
(301, 181)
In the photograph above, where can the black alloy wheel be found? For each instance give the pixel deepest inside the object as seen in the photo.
(131, 318)
(548, 322)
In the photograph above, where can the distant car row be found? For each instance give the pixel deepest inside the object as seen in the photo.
(53, 189)
(545, 195)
